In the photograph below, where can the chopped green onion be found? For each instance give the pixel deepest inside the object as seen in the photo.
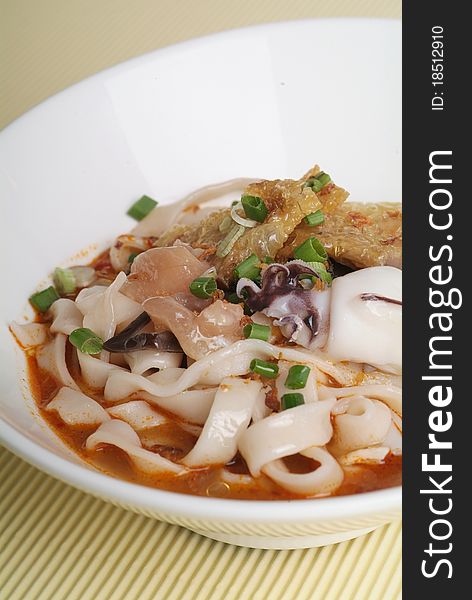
(254, 331)
(312, 250)
(238, 218)
(203, 287)
(268, 260)
(227, 243)
(141, 208)
(323, 178)
(321, 271)
(131, 257)
(86, 341)
(292, 400)
(307, 277)
(211, 272)
(44, 299)
(314, 184)
(297, 377)
(234, 298)
(64, 280)
(314, 219)
(254, 208)
(264, 368)
(317, 183)
(248, 268)
(84, 276)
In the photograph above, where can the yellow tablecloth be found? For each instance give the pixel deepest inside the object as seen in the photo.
(58, 543)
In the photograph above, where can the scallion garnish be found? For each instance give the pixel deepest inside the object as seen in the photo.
(312, 250)
(321, 271)
(64, 280)
(314, 219)
(323, 178)
(297, 377)
(203, 287)
(227, 243)
(234, 298)
(314, 184)
(254, 208)
(44, 299)
(248, 268)
(84, 276)
(264, 368)
(131, 257)
(254, 331)
(141, 208)
(268, 260)
(318, 182)
(291, 400)
(86, 341)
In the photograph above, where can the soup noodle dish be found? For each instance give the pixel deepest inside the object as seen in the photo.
(249, 351)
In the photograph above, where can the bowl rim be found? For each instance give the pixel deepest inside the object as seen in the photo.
(105, 486)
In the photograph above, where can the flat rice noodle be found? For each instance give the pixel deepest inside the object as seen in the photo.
(29, 334)
(228, 419)
(76, 409)
(138, 414)
(118, 433)
(322, 481)
(143, 360)
(66, 316)
(365, 456)
(362, 423)
(52, 358)
(233, 360)
(390, 395)
(286, 433)
(190, 405)
(95, 372)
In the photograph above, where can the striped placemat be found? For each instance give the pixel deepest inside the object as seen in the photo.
(59, 543)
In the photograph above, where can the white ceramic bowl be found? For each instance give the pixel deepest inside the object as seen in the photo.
(268, 102)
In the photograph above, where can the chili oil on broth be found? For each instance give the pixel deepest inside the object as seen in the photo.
(207, 481)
